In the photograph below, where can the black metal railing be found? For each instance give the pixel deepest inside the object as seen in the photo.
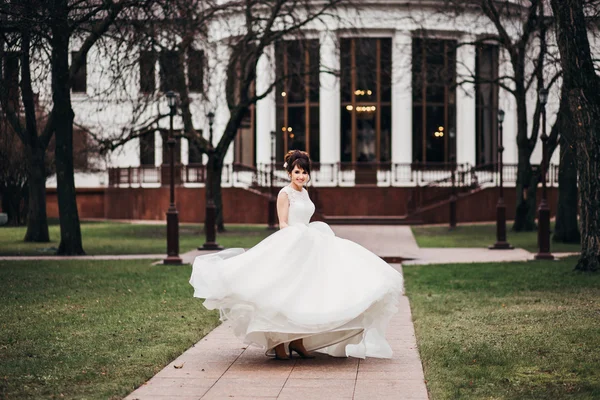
(419, 175)
(457, 178)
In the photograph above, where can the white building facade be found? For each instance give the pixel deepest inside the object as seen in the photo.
(392, 87)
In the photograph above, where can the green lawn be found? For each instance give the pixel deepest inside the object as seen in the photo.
(93, 329)
(481, 236)
(507, 331)
(123, 238)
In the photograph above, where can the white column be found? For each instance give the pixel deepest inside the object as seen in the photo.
(132, 153)
(185, 148)
(508, 104)
(329, 99)
(511, 154)
(158, 144)
(266, 107)
(465, 104)
(402, 97)
(219, 97)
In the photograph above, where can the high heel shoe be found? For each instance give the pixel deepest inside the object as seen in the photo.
(281, 354)
(300, 350)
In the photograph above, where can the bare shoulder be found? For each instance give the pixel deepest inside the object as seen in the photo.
(283, 193)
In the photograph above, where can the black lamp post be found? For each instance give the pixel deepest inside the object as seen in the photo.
(453, 197)
(211, 120)
(210, 211)
(272, 199)
(544, 209)
(172, 214)
(501, 243)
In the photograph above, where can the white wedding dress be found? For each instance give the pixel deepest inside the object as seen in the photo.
(303, 282)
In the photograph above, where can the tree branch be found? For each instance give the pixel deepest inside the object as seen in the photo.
(97, 32)
(26, 90)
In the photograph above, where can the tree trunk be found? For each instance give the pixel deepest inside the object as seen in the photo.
(588, 154)
(214, 169)
(70, 230)
(526, 189)
(567, 226)
(37, 220)
(218, 197)
(583, 95)
(526, 186)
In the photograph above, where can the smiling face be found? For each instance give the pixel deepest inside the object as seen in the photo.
(299, 176)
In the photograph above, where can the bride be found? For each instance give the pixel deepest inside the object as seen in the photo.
(302, 288)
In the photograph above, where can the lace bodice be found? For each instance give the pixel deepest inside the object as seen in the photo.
(301, 207)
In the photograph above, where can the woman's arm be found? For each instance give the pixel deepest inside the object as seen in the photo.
(283, 207)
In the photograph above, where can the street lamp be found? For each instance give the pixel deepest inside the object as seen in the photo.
(544, 209)
(172, 214)
(501, 243)
(272, 200)
(211, 120)
(210, 211)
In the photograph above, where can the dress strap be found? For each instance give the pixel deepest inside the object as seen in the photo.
(286, 190)
(293, 195)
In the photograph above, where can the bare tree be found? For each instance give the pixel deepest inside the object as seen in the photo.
(16, 53)
(582, 91)
(44, 29)
(246, 30)
(566, 229)
(14, 171)
(13, 176)
(519, 30)
(265, 23)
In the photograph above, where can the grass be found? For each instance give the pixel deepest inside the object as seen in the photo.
(93, 329)
(481, 236)
(123, 238)
(507, 331)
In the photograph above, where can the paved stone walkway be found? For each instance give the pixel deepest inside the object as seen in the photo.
(387, 241)
(467, 255)
(98, 257)
(186, 258)
(472, 255)
(220, 367)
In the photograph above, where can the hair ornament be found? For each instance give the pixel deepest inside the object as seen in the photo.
(285, 164)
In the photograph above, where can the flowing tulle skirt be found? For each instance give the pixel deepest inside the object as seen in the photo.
(303, 282)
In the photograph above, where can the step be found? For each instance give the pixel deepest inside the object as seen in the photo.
(371, 220)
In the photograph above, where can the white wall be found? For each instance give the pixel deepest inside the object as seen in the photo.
(112, 105)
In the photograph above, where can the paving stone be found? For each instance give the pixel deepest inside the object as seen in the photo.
(167, 397)
(392, 366)
(316, 393)
(267, 366)
(317, 383)
(392, 390)
(391, 375)
(220, 397)
(271, 381)
(173, 387)
(232, 388)
(259, 373)
(323, 373)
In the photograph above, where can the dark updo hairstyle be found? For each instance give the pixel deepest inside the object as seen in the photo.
(299, 158)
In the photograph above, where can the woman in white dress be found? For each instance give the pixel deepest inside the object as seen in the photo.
(302, 288)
